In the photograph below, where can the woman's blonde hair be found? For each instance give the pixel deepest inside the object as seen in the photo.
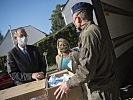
(65, 41)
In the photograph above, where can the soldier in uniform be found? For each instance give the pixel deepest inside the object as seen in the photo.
(96, 58)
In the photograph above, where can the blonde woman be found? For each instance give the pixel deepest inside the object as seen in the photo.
(66, 58)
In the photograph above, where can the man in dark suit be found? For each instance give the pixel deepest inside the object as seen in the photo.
(24, 62)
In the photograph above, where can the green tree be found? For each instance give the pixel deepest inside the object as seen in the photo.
(57, 20)
(1, 37)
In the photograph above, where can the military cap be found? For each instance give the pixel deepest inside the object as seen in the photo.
(80, 6)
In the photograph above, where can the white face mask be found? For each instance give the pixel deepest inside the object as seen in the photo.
(22, 41)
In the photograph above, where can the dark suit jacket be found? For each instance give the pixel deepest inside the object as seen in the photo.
(19, 69)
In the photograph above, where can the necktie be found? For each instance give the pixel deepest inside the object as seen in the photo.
(26, 55)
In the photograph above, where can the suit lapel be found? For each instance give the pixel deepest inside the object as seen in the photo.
(21, 54)
(29, 53)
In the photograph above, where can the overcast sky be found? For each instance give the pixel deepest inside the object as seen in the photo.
(19, 13)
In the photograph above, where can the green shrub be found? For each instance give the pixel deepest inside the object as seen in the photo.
(3, 63)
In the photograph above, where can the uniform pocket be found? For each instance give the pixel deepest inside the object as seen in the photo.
(83, 56)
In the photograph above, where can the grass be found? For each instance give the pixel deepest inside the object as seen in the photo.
(51, 68)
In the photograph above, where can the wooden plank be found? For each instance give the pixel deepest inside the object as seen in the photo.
(36, 90)
(22, 89)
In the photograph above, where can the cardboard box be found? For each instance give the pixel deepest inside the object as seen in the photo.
(37, 91)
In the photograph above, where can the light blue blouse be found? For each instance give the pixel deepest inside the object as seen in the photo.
(66, 64)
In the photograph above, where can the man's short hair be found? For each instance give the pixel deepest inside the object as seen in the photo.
(22, 30)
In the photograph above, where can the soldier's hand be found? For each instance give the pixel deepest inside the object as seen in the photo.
(61, 90)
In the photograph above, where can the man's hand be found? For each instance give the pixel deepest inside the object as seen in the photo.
(63, 88)
(38, 75)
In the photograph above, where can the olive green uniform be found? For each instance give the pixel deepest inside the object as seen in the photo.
(96, 61)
